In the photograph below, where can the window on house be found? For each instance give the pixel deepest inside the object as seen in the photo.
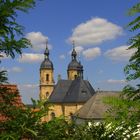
(52, 115)
(47, 77)
(84, 92)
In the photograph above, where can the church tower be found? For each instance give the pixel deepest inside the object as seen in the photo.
(75, 69)
(46, 76)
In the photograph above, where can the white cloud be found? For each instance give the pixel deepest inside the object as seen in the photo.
(15, 69)
(95, 31)
(92, 53)
(78, 49)
(111, 81)
(31, 58)
(38, 40)
(62, 56)
(25, 86)
(119, 53)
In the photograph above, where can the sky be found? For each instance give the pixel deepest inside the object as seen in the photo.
(98, 28)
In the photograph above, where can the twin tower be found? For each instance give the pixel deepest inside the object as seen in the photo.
(74, 70)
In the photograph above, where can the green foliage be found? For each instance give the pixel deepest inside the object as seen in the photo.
(10, 29)
(3, 77)
(132, 93)
(109, 131)
(21, 121)
(59, 129)
(122, 110)
(92, 131)
(132, 70)
(125, 110)
(135, 9)
(123, 115)
(12, 39)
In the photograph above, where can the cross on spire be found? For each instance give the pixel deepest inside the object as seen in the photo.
(46, 53)
(73, 44)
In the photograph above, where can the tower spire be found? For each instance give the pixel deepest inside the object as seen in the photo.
(75, 69)
(46, 75)
(73, 54)
(46, 53)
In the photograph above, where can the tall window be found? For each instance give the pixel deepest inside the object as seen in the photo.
(47, 77)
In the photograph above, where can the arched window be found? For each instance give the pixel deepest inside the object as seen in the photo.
(52, 115)
(47, 77)
(47, 94)
(75, 76)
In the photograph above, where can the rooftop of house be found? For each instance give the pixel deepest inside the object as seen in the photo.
(72, 91)
(95, 107)
(10, 89)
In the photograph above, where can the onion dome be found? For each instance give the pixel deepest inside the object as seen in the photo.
(46, 64)
(74, 64)
(80, 66)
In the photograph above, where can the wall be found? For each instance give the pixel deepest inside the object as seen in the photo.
(46, 86)
(66, 110)
(71, 74)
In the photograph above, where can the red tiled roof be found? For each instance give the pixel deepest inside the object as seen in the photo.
(11, 89)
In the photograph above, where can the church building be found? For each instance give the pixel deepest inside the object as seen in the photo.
(67, 96)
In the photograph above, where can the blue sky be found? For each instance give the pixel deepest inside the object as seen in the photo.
(97, 26)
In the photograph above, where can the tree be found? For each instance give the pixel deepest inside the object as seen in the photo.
(9, 28)
(20, 121)
(132, 70)
(126, 109)
(12, 39)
